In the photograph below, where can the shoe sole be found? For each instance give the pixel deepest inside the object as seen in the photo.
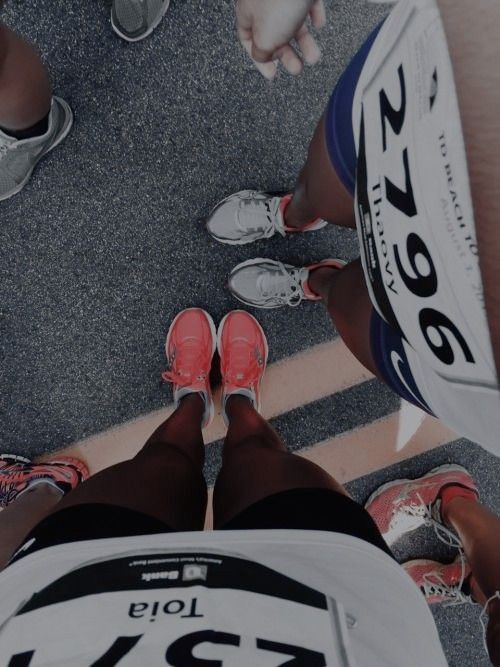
(266, 346)
(213, 331)
(151, 28)
(243, 241)
(440, 469)
(14, 458)
(70, 461)
(60, 137)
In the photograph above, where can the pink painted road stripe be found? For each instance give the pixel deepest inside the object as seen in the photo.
(375, 446)
(290, 383)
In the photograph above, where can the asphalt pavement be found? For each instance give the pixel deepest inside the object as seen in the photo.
(107, 242)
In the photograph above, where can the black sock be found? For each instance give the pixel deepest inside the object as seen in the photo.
(35, 130)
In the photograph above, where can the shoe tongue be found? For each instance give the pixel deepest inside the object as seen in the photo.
(190, 355)
(258, 215)
(273, 284)
(285, 284)
(241, 358)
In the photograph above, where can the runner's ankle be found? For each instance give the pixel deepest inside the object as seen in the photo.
(319, 280)
(293, 219)
(452, 493)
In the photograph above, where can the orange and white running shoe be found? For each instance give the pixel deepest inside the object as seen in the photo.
(243, 352)
(190, 347)
(406, 504)
(439, 582)
(18, 474)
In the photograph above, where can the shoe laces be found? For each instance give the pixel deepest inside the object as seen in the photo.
(188, 370)
(434, 584)
(483, 618)
(284, 285)
(259, 216)
(18, 477)
(14, 473)
(430, 515)
(4, 147)
(245, 363)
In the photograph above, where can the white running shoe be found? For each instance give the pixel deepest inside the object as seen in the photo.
(249, 216)
(18, 157)
(267, 283)
(134, 20)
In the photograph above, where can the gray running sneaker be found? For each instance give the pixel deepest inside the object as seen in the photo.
(267, 283)
(134, 20)
(18, 157)
(250, 215)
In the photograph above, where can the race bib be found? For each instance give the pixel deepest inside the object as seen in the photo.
(413, 205)
(182, 610)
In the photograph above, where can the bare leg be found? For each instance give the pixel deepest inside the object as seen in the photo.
(19, 518)
(347, 300)
(256, 464)
(25, 92)
(164, 480)
(479, 532)
(319, 192)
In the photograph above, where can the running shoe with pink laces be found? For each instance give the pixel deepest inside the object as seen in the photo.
(243, 352)
(406, 504)
(190, 347)
(441, 582)
(18, 474)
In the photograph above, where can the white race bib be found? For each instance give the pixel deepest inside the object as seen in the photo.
(413, 205)
(177, 609)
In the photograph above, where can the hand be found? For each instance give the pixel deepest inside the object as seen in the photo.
(266, 27)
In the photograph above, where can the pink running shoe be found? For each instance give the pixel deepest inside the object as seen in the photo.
(406, 504)
(190, 347)
(18, 474)
(243, 352)
(439, 582)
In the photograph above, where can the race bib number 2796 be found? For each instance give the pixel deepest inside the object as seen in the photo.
(413, 205)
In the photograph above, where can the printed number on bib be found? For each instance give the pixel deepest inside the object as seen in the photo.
(177, 610)
(413, 204)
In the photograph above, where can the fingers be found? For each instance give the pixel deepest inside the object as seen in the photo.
(267, 69)
(257, 38)
(261, 55)
(290, 60)
(308, 46)
(318, 14)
